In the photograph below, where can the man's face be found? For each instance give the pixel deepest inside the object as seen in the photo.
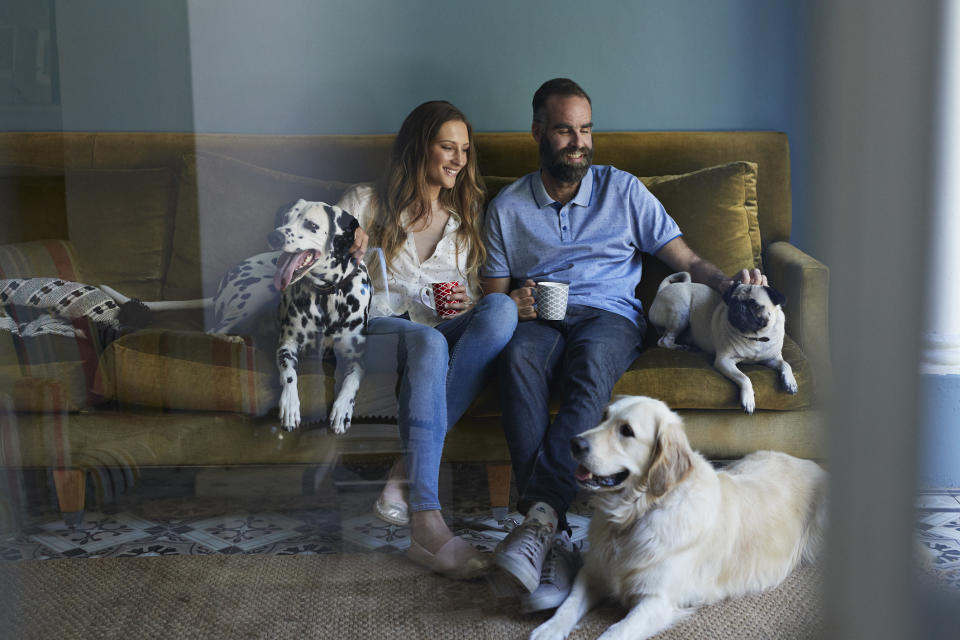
(566, 137)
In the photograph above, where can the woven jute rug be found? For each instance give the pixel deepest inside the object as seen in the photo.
(371, 595)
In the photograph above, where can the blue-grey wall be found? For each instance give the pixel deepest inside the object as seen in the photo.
(123, 66)
(940, 425)
(358, 66)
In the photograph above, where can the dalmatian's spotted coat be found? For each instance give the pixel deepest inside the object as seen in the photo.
(324, 302)
(244, 292)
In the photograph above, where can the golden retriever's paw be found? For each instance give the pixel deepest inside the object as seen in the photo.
(549, 630)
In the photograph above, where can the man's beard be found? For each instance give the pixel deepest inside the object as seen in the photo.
(558, 167)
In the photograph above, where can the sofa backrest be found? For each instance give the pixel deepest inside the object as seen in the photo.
(150, 220)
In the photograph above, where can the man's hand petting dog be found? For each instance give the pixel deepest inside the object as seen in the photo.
(745, 324)
(748, 276)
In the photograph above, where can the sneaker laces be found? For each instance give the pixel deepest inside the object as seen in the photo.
(550, 568)
(531, 539)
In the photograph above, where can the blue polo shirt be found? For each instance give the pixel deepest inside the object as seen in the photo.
(593, 242)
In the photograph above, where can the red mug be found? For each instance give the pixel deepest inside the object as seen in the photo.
(442, 296)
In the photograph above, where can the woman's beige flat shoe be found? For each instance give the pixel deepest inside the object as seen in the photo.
(456, 559)
(397, 513)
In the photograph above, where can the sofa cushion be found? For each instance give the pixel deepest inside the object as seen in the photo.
(316, 385)
(687, 380)
(171, 369)
(716, 209)
(47, 373)
(225, 209)
(376, 399)
(37, 194)
(121, 223)
(40, 259)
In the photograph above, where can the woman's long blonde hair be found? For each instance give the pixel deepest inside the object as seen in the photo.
(403, 186)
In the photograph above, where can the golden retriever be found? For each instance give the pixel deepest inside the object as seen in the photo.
(670, 533)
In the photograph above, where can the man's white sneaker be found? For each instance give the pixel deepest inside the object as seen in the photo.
(522, 552)
(556, 578)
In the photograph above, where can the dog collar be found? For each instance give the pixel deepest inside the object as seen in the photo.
(764, 339)
(329, 287)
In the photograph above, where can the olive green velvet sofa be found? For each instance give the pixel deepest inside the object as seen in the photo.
(160, 216)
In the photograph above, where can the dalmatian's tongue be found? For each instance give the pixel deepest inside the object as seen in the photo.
(290, 266)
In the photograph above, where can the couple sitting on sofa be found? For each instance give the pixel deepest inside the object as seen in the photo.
(569, 221)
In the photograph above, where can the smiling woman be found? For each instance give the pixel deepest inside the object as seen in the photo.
(447, 155)
(425, 214)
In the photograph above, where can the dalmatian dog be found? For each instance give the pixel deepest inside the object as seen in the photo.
(321, 297)
(324, 302)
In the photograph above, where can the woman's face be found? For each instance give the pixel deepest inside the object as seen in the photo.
(447, 155)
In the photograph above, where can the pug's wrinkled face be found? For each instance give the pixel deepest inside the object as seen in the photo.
(751, 307)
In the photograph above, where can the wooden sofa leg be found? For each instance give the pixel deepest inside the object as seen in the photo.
(498, 481)
(71, 489)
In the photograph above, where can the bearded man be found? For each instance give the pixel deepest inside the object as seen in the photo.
(585, 225)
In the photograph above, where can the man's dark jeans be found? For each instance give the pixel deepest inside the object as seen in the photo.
(580, 357)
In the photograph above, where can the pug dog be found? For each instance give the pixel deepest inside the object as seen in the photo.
(744, 325)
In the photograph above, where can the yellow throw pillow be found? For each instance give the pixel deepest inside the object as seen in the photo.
(716, 209)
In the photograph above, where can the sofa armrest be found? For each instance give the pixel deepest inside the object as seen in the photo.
(41, 259)
(805, 281)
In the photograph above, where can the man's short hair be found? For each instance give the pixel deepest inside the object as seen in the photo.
(555, 87)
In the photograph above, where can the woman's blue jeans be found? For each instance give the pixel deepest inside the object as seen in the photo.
(441, 371)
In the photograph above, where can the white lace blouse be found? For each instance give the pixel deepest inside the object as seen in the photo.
(409, 280)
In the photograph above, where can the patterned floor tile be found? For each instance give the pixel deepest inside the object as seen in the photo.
(936, 518)
(941, 555)
(242, 531)
(948, 529)
(369, 532)
(937, 501)
(155, 547)
(313, 547)
(944, 553)
(334, 515)
(24, 551)
(97, 531)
